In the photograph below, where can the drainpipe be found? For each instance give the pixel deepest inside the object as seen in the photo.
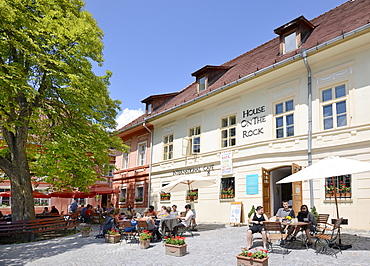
(150, 163)
(309, 133)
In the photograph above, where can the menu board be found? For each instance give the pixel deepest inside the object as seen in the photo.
(235, 212)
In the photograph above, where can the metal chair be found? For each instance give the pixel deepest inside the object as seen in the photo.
(275, 235)
(328, 241)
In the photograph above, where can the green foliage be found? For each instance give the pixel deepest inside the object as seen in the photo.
(178, 240)
(314, 212)
(253, 210)
(56, 115)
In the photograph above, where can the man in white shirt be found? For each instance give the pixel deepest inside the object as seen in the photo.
(185, 221)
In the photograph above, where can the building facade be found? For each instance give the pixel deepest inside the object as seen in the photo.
(259, 117)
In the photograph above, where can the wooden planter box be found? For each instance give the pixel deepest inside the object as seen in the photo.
(112, 238)
(145, 244)
(165, 198)
(85, 233)
(339, 195)
(243, 261)
(175, 250)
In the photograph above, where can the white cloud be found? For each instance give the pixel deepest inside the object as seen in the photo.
(127, 116)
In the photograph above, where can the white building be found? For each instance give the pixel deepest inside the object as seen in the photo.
(246, 122)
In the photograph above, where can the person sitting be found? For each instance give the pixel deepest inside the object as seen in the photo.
(86, 213)
(256, 220)
(45, 211)
(174, 210)
(109, 223)
(282, 213)
(163, 212)
(152, 212)
(54, 211)
(305, 216)
(185, 221)
(130, 209)
(151, 225)
(73, 207)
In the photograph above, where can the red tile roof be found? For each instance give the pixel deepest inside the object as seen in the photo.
(342, 19)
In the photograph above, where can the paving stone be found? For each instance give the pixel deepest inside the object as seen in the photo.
(212, 244)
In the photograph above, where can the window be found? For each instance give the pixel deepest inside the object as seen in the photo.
(142, 154)
(168, 147)
(41, 201)
(149, 108)
(202, 83)
(125, 158)
(284, 119)
(334, 107)
(342, 184)
(228, 131)
(290, 42)
(139, 193)
(194, 134)
(123, 195)
(227, 189)
(81, 201)
(5, 201)
(164, 195)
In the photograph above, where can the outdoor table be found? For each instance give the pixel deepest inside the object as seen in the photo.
(295, 224)
(168, 224)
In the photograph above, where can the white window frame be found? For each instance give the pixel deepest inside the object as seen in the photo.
(141, 153)
(202, 86)
(125, 160)
(168, 147)
(284, 115)
(228, 129)
(123, 194)
(288, 42)
(194, 136)
(138, 187)
(333, 102)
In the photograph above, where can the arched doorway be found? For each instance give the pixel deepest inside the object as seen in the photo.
(273, 194)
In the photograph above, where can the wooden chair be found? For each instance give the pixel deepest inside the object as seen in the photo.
(131, 235)
(275, 235)
(141, 225)
(328, 240)
(322, 223)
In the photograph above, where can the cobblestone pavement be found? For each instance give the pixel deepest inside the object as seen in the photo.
(212, 244)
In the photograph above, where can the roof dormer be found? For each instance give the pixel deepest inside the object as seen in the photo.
(293, 34)
(155, 101)
(208, 75)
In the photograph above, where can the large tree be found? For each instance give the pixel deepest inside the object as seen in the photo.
(56, 115)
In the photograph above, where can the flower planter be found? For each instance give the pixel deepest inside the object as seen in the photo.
(165, 198)
(175, 250)
(112, 238)
(85, 233)
(339, 195)
(145, 244)
(243, 261)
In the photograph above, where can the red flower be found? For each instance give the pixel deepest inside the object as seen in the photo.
(250, 254)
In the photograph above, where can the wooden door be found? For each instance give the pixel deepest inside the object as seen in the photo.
(266, 192)
(296, 190)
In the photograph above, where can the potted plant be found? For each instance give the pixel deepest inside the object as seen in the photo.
(113, 236)
(122, 200)
(256, 257)
(193, 194)
(144, 239)
(85, 231)
(138, 199)
(165, 196)
(175, 246)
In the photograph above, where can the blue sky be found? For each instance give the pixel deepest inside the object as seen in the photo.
(153, 46)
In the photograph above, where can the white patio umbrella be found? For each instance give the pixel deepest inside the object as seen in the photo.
(186, 182)
(328, 167)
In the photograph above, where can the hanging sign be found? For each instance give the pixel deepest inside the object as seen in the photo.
(226, 163)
